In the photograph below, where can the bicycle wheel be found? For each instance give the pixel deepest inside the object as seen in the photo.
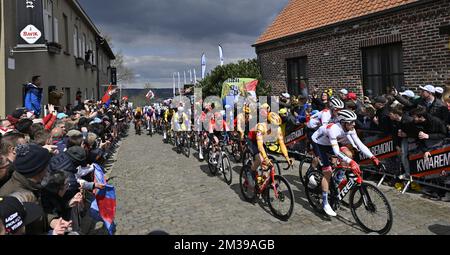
(212, 167)
(313, 189)
(281, 203)
(187, 147)
(275, 164)
(248, 191)
(226, 168)
(237, 155)
(372, 210)
(301, 171)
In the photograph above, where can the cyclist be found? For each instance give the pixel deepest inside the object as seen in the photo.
(180, 123)
(138, 120)
(216, 132)
(326, 141)
(257, 146)
(242, 122)
(326, 116)
(168, 115)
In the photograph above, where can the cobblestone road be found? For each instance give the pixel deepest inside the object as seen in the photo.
(159, 189)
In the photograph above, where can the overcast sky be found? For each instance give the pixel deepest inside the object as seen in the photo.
(159, 37)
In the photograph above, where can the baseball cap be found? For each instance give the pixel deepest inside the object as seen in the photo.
(286, 95)
(428, 88)
(408, 93)
(352, 96)
(344, 91)
(61, 116)
(439, 90)
(15, 215)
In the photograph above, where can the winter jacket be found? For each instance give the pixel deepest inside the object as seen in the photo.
(27, 191)
(33, 98)
(437, 109)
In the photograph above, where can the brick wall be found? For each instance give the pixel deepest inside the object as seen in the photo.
(334, 54)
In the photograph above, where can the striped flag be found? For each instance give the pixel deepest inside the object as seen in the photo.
(103, 208)
(150, 95)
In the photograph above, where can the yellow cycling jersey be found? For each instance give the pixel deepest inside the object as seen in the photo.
(181, 122)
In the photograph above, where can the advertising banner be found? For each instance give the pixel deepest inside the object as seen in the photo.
(30, 23)
(431, 167)
(382, 149)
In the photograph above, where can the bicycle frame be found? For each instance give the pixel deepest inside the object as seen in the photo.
(264, 186)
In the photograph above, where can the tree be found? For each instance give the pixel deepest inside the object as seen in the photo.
(124, 74)
(212, 84)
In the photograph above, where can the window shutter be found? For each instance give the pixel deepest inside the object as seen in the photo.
(56, 32)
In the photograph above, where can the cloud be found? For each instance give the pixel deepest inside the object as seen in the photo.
(161, 37)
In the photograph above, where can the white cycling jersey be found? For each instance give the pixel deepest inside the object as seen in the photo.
(319, 119)
(334, 134)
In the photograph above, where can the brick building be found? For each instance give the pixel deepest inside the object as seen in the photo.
(364, 46)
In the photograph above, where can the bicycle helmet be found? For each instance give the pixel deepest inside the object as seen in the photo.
(347, 116)
(337, 103)
(274, 118)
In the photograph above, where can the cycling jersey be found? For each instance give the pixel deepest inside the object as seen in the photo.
(333, 134)
(181, 123)
(319, 119)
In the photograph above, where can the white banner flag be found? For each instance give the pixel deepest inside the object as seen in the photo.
(190, 76)
(203, 65)
(184, 73)
(221, 55)
(179, 81)
(174, 84)
(195, 77)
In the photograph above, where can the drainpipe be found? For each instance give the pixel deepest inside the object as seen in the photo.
(2, 61)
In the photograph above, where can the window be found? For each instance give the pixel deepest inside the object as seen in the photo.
(93, 94)
(297, 77)
(86, 95)
(66, 33)
(75, 42)
(382, 69)
(91, 48)
(83, 46)
(50, 22)
(67, 96)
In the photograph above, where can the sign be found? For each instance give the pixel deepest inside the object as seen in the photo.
(30, 22)
(114, 76)
(431, 167)
(11, 64)
(382, 149)
(296, 136)
(30, 34)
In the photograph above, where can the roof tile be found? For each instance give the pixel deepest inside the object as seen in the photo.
(303, 15)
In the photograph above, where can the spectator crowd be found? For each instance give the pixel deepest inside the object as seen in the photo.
(47, 164)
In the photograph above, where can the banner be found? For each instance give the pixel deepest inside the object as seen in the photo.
(221, 55)
(382, 149)
(195, 77)
(30, 23)
(432, 167)
(174, 84)
(150, 95)
(203, 65)
(232, 89)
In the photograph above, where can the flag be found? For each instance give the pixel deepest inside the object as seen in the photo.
(221, 55)
(195, 77)
(203, 65)
(184, 73)
(190, 76)
(251, 86)
(179, 81)
(106, 99)
(174, 84)
(150, 95)
(103, 208)
(125, 98)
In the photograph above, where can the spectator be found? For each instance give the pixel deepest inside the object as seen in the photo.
(381, 119)
(322, 103)
(5, 173)
(432, 131)
(9, 143)
(42, 138)
(55, 97)
(439, 93)
(30, 169)
(343, 94)
(15, 216)
(24, 126)
(33, 95)
(75, 138)
(36, 127)
(406, 98)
